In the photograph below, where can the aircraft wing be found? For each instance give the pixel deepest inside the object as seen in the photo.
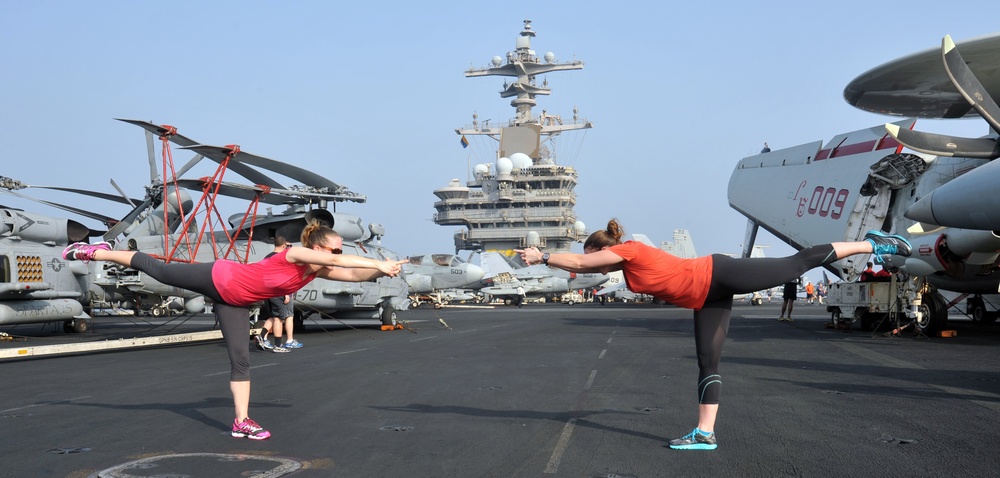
(494, 264)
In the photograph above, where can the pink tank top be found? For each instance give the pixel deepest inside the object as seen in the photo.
(243, 284)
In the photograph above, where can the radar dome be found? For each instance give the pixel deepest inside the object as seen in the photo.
(504, 166)
(533, 239)
(497, 61)
(481, 170)
(579, 227)
(520, 160)
(550, 57)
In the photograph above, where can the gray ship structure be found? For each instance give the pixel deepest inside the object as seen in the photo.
(523, 198)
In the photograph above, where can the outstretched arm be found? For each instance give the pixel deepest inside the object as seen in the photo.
(599, 261)
(366, 268)
(350, 275)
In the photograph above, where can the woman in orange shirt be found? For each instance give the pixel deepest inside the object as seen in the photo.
(706, 285)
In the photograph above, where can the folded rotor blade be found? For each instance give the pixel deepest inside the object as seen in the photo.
(305, 176)
(107, 220)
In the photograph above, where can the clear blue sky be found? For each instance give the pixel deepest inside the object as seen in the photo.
(369, 94)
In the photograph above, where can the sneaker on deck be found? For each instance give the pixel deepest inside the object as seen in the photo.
(280, 350)
(293, 344)
(263, 343)
(249, 429)
(887, 244)
(81, 251)
(696, 440)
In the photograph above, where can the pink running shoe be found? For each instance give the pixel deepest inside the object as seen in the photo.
(81, 251)
(250, 429)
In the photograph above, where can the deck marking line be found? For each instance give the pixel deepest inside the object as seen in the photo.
(553, 465)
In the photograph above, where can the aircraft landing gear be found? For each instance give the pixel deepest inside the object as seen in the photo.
(76, 325)
(387, 314)
(976, 308)
(934, 313)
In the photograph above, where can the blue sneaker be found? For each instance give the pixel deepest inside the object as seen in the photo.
(887, 244)
(696, 440)
(263, 343)
(293, 344)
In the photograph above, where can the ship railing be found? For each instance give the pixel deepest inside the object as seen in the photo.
(537, 119)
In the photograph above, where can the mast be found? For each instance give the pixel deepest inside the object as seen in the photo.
(523, 198)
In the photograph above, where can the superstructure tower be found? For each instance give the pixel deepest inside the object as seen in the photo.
(522, 198)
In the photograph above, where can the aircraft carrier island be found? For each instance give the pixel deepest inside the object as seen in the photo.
(522, 197)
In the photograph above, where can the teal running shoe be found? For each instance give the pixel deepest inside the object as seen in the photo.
(696, 440)
(887, 244)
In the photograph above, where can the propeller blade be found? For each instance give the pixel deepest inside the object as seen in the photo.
(945, 145)
(968, 85)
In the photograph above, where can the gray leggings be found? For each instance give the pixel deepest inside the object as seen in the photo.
(197, 277)
(731, 276)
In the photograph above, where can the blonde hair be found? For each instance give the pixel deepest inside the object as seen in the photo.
(315, 233)
(605, 238)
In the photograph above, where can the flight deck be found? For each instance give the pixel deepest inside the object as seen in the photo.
(544, 390)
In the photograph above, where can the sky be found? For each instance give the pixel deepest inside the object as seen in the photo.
(369, 94)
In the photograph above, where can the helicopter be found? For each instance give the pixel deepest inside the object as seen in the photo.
(165, 224)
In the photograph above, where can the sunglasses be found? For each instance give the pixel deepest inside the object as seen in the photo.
(332, 250)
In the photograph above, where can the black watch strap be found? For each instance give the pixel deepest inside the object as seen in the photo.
(545, 258)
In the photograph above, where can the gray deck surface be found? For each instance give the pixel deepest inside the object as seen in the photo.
(546, 390)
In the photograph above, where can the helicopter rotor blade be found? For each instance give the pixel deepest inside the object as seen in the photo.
(115, 185)
(107, 220)
(151, 153)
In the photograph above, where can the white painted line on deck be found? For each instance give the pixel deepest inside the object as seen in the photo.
(424, 338)
(602, 354)
(351, 351)
(56, 402)
(590, 381)
(557, 454)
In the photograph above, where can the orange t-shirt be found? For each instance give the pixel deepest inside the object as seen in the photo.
(648, 270)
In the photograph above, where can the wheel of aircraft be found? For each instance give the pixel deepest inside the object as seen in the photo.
(388, 314)
(76, 325)
(298, 321)
(977, 309)
(934, 313)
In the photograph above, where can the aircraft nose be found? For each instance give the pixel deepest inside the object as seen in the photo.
(474, 273)
(922, 210)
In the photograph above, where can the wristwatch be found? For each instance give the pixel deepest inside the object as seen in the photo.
(545, 258)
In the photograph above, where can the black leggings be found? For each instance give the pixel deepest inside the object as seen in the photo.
(234, 321)
(731, 276)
